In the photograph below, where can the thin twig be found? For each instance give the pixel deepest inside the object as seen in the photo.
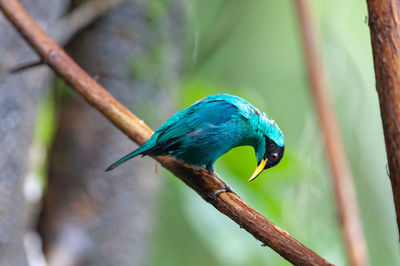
(384, 24)
(346, 200)
(20, 68)
(203, 183)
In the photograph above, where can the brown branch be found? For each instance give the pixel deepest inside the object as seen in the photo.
(346, 201)
(384, 24)
(204, 184)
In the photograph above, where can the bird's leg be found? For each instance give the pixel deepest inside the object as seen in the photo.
(227, 188)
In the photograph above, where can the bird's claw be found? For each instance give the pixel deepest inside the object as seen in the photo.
(227, 188)
(219, 191)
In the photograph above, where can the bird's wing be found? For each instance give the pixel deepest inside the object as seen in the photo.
(201, 115)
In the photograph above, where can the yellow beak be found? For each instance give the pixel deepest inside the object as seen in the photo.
(259, 169)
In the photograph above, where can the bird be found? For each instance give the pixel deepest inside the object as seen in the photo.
(209, 128)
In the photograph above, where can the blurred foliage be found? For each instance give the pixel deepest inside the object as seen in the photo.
(252, 49)
(177, 242)
(44, 129)
(42, 137)
(256, 53)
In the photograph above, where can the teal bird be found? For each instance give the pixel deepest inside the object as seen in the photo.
(209, 128)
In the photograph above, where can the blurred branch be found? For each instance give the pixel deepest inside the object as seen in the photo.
(218, 32)
(71, 24)
(25, 66)
(346, 200)
(203, 183)
(384, 28)
(80, 18)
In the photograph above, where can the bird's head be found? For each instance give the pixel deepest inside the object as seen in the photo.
(270, 148)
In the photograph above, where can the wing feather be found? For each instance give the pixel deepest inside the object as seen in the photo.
(203, 114)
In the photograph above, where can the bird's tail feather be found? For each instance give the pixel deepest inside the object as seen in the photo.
(125, 158)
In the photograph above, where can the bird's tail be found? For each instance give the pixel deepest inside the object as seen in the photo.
(125, 158)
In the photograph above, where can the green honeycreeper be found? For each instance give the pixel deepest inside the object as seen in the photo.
(209, 128)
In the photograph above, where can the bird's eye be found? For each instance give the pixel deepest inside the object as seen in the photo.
(274, 156)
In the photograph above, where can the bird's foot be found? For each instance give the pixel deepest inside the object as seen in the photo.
(219, 191)
(213, 195)
(227, 188)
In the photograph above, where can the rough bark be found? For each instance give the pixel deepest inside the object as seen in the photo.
(384, 24)
(92, 217)
(20, 95)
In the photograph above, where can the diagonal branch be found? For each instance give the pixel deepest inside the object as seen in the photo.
(203, 183)
(346, 200)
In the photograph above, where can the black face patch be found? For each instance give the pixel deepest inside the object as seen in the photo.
(273, 153)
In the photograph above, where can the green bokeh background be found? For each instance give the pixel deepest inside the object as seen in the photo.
(253, 49)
